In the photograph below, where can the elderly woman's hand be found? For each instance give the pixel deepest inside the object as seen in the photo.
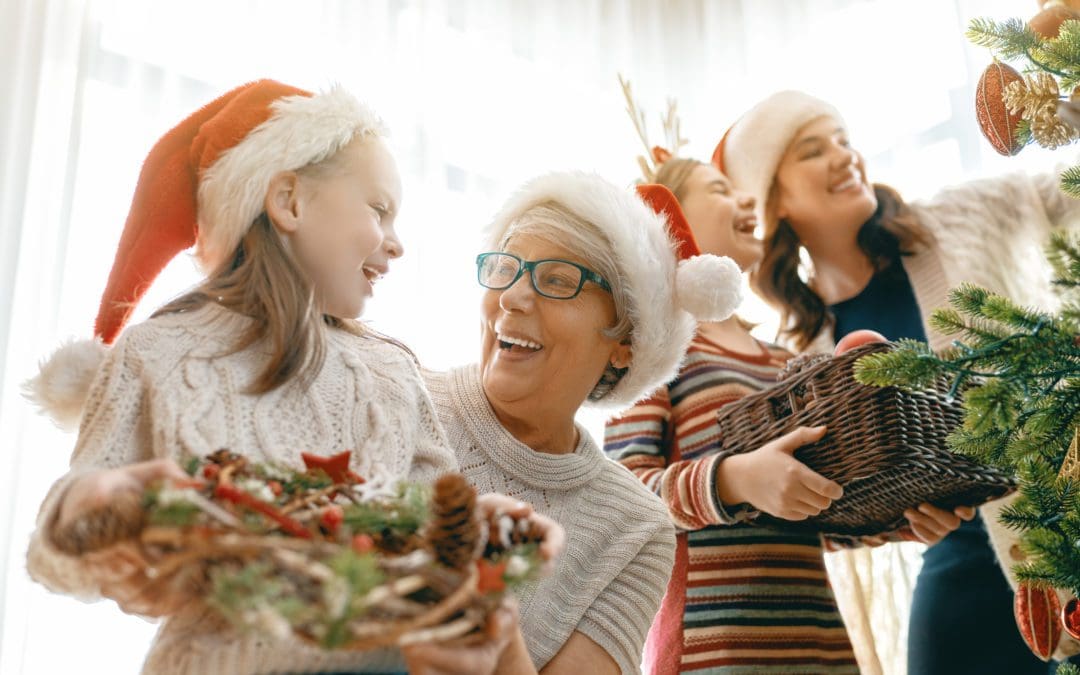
(492, 504)
(469, 659)
(929, 524)
(772, 480)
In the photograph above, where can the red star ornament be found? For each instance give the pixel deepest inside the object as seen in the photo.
(335, 466)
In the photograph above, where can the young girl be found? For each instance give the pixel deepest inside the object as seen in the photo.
(879, 263)
(290, 199)
(743, 597)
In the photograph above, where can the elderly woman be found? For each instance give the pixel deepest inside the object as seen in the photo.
(584, 305)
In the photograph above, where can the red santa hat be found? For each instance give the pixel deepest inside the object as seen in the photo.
(751, 149)
(203, 185)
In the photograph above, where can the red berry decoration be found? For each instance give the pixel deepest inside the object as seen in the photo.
(998, 125)
(332, 517)
(362, 543)
(1036, 611)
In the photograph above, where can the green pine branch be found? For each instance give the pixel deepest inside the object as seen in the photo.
(1063, 52)
(402, 516)
(1009, 40)
(1018, 370)
(1023, 133)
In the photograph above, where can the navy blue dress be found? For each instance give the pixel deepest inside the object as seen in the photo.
(961, 612)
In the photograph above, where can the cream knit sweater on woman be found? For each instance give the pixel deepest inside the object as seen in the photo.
(993, 233)
(620, 543)
(169, 388)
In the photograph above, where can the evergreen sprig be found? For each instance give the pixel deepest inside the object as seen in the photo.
(401, 516)
(1019, 371)
(1010, 39)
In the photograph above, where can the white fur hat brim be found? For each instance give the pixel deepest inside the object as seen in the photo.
(750, 152)
(302, 130)
(661, 324)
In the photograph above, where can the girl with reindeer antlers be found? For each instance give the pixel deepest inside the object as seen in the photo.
(743, 596)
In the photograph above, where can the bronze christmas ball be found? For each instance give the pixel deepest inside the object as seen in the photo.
(998, 125)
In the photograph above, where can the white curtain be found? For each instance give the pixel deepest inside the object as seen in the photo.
(480, 95)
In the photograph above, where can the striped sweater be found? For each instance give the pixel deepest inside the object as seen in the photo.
(742, 598)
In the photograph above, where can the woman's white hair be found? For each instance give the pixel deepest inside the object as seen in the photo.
(624, 240)
(554, 223)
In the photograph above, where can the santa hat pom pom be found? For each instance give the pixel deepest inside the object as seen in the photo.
(63, 381)
(709, 287)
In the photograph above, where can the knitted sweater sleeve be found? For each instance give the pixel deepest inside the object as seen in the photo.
(981, 215)
(1061, 209)
(433, 455)
(643, 440)
(620, 617)
(112, 433)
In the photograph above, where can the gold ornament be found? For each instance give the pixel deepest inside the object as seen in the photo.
(1035, 99)
(1070, 468)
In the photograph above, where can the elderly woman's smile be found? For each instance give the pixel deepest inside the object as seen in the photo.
(535, 343)
(516, 344)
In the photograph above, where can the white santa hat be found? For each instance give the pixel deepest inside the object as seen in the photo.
(750, 151)
(666, 295)
(203, 184)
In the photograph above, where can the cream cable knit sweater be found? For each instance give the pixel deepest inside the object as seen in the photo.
(166, 390)
(620, 542)
(993, 233)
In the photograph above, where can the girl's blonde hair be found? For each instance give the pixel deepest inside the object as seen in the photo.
(264, 282)
(674, 173)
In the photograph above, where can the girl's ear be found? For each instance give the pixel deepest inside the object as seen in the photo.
(283, 202)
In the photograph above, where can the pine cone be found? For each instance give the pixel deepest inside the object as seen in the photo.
(122, 518)
(454, 533)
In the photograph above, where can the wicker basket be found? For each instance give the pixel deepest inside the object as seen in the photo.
(884, 445)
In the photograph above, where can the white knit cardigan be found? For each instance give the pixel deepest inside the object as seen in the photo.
(993, 233)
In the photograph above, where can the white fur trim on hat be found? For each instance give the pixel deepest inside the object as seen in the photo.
(709, 287)
(63, 381)
(756, 143)
(661, 328)
(302, 130)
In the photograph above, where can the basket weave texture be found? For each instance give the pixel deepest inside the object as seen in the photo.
(886, 446)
